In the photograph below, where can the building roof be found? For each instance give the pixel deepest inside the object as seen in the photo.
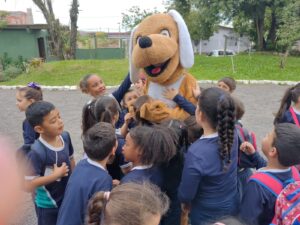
(25, 26)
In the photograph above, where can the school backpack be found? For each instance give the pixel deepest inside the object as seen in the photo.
(294, 116)
(287, 206)
(245, 135)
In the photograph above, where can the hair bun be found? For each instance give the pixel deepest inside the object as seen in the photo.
(34, 85)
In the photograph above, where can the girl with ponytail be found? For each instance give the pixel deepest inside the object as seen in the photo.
(209, 179)
(288, 112)
(106, 109)
(128, 204)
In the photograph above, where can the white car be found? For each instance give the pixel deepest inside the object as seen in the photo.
(217, 53)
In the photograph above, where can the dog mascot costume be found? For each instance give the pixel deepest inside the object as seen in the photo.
(161, 48)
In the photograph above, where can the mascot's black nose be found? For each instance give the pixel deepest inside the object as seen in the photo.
(145, 42)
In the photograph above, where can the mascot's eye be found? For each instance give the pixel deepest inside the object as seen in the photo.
(165, 33)
(137, 39)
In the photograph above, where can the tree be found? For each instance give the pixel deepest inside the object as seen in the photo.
(201, 16)
(54, 28)
(3, 21)
(73, 33)
(134, 16)
(57, 31)
(289, 31)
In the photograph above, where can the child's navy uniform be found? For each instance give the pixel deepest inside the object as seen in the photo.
(211, 191)
(140, 174)
(87, 178)
(42, 157)
(258, 203)
(29, 136)
(186, 105)
(115, 169)
(122, 89)
(287, 117)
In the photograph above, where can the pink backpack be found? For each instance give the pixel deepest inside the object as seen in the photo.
(287, 206)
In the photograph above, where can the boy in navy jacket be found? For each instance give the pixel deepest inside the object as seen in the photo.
(90, 175)
(282, 149)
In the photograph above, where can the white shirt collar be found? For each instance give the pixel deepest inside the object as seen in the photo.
(94, 163)
(141, 167)
(52, 147)
(209, 136)
(274, 170)
(296, 111)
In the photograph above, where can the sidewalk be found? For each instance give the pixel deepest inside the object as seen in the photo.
(261, 101)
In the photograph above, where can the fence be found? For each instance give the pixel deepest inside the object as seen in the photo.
(100, 53)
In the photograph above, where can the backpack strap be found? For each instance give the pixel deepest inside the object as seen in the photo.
(42, 152)
(268, 181)
(240, 132)
(253, 137)
(292, 111)
(295, 173)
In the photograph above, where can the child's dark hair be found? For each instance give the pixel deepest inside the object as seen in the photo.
(88, 117)
(287, 143)
(193, 129)
(99, 140)
(101, 109)
(36, 112)
(239, 108)
(230, 82)
(32, 92)
(83, 83)
(140, 101)
(106, 108)
(155, 144)
(127, 204)
(219, 109)
(292, 94)
(172, 170)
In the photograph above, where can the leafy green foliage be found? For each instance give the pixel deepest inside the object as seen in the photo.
(3, 21)
(134, 16)
(289, 31)
(11, 68)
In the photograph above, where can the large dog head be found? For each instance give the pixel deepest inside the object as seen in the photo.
(161, 46)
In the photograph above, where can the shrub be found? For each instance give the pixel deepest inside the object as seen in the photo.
(5, 60)
(11, 72)
(295, 52)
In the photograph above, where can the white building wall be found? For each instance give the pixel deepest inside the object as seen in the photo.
(217, 41)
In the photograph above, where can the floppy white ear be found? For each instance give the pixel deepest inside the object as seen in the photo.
(185, 44)
(132, 69)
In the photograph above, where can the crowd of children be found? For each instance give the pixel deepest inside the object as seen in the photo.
(135, 171)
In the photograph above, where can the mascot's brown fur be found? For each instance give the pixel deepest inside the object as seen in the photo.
(162, 49)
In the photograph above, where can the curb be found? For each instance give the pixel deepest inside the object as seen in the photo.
(72, 88)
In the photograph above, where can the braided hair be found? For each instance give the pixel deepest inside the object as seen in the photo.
(219, 109)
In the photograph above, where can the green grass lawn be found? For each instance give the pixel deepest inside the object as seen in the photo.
(246, 67)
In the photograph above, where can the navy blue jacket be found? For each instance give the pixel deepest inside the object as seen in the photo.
(211, 191)
(86, 179)
(258, 203)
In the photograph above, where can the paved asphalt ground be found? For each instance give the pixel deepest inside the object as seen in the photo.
(261, 101)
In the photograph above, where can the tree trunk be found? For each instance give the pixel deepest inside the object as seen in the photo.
(272, 31)
(283, 59)
(56, 44)
(260, 27)
(73, 33)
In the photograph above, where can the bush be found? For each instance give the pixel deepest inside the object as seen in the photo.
(11, 72)
(295, 52)
(5, 60)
